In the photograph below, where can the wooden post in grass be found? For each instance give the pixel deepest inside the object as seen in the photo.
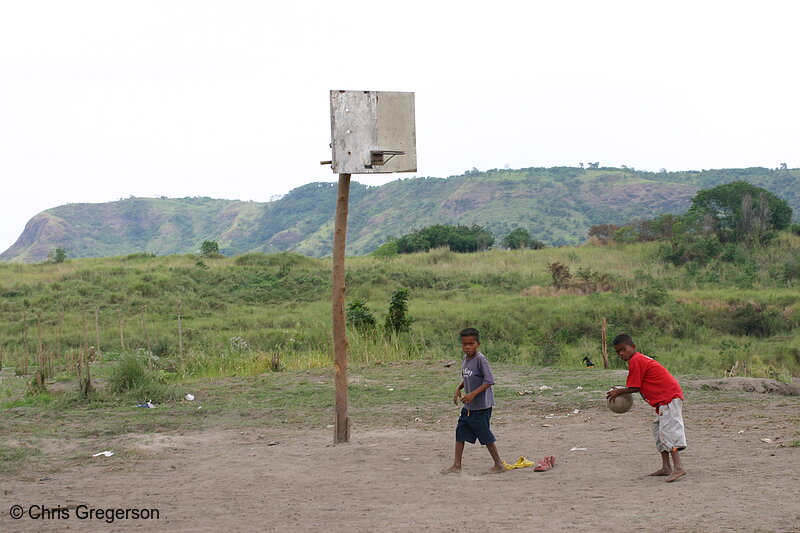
(604, 344)
(71, 362)
(121, 334)
(59, 352)
(40, 356)
(44, 357)
(146, 335)
(97, 351)
(22, 357)
(84, 376)
(180, 331)
(341, 421)
(25, 334)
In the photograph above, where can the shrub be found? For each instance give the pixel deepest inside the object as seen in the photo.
(132, 377)
(791, 269)
(56, 255)
(139, 255)
(359, 316)
(691, 249)
(549, 349)
(285, 260)
(740, 212)
(518, 239)
(655, 295)
(463, 239)
(754, 320)
(209, 248)
(397, 319)
(386, 250)
(560, 274)
(591, 281)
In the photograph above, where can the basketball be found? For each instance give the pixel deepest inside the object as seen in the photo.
(621, 404)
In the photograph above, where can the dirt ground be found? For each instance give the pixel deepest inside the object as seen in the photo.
(388, 479)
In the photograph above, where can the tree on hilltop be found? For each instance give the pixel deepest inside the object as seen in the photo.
(57, 255)
(740, 212)
(209, 248)
(520, 238)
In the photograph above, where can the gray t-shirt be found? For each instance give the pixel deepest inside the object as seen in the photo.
(475, 371)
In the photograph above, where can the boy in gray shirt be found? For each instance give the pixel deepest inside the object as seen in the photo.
(477, 381)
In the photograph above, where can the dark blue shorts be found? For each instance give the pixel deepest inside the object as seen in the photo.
(474, 425)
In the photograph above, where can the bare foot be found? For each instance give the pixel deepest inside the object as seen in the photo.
(452, 470)
(496, 470)
(675, 475)
(661, 472)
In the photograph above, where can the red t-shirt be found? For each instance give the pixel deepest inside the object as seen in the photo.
(653, 380)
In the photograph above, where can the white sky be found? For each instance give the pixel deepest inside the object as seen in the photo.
(100, 100)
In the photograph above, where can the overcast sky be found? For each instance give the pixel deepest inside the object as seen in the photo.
(101, 100)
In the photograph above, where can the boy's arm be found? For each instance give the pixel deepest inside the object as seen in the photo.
(613, 393)
(471, 396)
(457, 395)
(635, 377)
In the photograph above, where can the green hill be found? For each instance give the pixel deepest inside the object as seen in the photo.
(556, 205)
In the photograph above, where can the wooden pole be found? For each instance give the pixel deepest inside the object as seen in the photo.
(604, 345)
(97, 351)
(25, 333)
(41, 373)
(84, 375)
(40, 357)
(180, 331)
(121, 335)
(341, 424)
(146, 335)
(59, 351)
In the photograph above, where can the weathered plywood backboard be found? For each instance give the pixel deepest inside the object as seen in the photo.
(373, 132)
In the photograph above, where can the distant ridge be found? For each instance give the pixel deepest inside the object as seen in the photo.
(556, 205)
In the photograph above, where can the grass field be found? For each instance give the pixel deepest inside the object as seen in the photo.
(190, 317)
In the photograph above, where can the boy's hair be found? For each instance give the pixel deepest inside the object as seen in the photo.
(622, 338)
(470, 332)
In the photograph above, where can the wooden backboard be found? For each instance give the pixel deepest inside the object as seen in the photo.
(373, 132)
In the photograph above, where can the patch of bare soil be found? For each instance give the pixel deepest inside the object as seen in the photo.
(759, 385)
(743, 475)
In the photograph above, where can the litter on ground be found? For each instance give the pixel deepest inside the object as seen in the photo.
(106, 453)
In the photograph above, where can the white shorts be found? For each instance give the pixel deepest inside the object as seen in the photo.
(668, 426)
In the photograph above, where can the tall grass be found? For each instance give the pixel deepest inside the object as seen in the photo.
(694, 319)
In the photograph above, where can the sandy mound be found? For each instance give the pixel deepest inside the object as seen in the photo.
(761, 385)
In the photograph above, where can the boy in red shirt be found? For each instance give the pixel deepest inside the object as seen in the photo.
(662, 391)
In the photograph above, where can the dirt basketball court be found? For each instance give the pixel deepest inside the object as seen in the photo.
(743, 467)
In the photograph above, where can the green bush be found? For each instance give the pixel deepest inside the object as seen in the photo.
(359, 316)
(397, 319)
(282, 259)
(209, 248)
(655, 295)
(132, 378)
(462, 239)
(57, 255)
(140, 255)
(791, 269)
(754, 320)
(560, 274)
(520, 239)
(386, 250)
